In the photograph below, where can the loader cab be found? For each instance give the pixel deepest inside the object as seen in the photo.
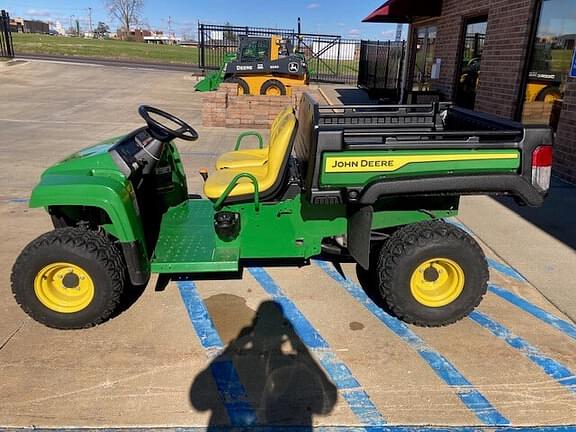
(254, 49)
(259, 49)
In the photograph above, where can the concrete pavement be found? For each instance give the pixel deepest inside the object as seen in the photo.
(539, 242)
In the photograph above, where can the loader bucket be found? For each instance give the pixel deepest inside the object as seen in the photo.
(211, 82)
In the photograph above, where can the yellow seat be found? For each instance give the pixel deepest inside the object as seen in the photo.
(243, 158)
(239, 159)
(268, 176)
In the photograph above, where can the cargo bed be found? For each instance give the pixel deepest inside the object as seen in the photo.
(361, 153)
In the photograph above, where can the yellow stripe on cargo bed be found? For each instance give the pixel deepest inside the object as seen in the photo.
(339, 164)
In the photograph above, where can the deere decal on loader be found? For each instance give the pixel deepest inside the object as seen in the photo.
(262, 66)
(373, 183)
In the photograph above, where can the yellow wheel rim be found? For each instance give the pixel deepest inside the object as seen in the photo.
(240, 91)
(437, 282)
(64, 287)
(273, 91)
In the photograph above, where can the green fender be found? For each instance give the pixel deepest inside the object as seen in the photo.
(113, 197)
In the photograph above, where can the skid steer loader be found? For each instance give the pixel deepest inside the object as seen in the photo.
(261, 66)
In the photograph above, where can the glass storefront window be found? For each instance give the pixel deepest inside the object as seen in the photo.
(550, 64)
(469, 68)
(425, 40)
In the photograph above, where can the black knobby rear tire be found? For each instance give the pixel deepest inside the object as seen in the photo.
(91, 251)
(411, 246)
(273, 84)
(242, 85)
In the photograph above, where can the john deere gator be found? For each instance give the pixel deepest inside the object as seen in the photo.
(369, 183)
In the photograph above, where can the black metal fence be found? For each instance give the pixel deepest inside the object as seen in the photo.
(6, 43)
(215, 41)
(330, 58)
(381, 65)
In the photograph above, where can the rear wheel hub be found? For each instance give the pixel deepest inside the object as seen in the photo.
(437, 282)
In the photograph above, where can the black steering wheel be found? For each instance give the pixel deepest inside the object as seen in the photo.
(162, 132)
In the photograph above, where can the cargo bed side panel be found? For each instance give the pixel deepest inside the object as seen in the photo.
(361, 168)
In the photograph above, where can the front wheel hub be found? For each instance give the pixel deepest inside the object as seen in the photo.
(437, 282)
(64, 287)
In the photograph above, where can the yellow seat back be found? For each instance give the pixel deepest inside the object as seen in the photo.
(286, 111)
(279, 146)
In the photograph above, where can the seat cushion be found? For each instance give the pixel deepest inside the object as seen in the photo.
(242, 159)
(252, 157)
(218, 181)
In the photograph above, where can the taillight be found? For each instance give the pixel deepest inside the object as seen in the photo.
(542, 167)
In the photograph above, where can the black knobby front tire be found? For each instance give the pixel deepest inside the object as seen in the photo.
(93, 253)
(406, 251)
(243, 87)
(273, 84)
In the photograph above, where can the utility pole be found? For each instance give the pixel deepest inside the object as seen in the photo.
(90, 19)
(70, 26)
(169, 28)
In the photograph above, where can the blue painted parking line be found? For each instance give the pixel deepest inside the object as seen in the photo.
(469, 395)
(15, 200)
(505, 270)
(551, 367)
(492, 263)
(341, 376)
(459, 224)
(225, 376)
(565, 327)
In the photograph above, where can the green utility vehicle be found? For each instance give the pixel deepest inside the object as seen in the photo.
(373, 183)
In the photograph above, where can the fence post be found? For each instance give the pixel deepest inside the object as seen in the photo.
(202, 46)
(2, 54)
(6, 43)
(338, 58)
(10, 40)
(387, 73)
(403, 73)
(376, 59)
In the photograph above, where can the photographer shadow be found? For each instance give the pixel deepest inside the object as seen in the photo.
(283, 383)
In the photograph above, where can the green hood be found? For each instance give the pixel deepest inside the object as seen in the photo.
(88, 161)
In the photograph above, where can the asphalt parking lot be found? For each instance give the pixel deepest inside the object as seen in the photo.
(221, 352)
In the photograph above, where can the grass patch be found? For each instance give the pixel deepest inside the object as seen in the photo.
(105, 49)
(561, 60)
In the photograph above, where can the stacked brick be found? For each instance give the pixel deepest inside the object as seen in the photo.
(565, 150)
(224, 108)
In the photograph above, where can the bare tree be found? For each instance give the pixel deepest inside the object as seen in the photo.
(128, 12)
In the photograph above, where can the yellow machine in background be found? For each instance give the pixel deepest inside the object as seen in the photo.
(543, 87)
(266, 66)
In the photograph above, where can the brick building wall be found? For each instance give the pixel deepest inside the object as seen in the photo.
(565, 149)
(224, 108)
(504, 56)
